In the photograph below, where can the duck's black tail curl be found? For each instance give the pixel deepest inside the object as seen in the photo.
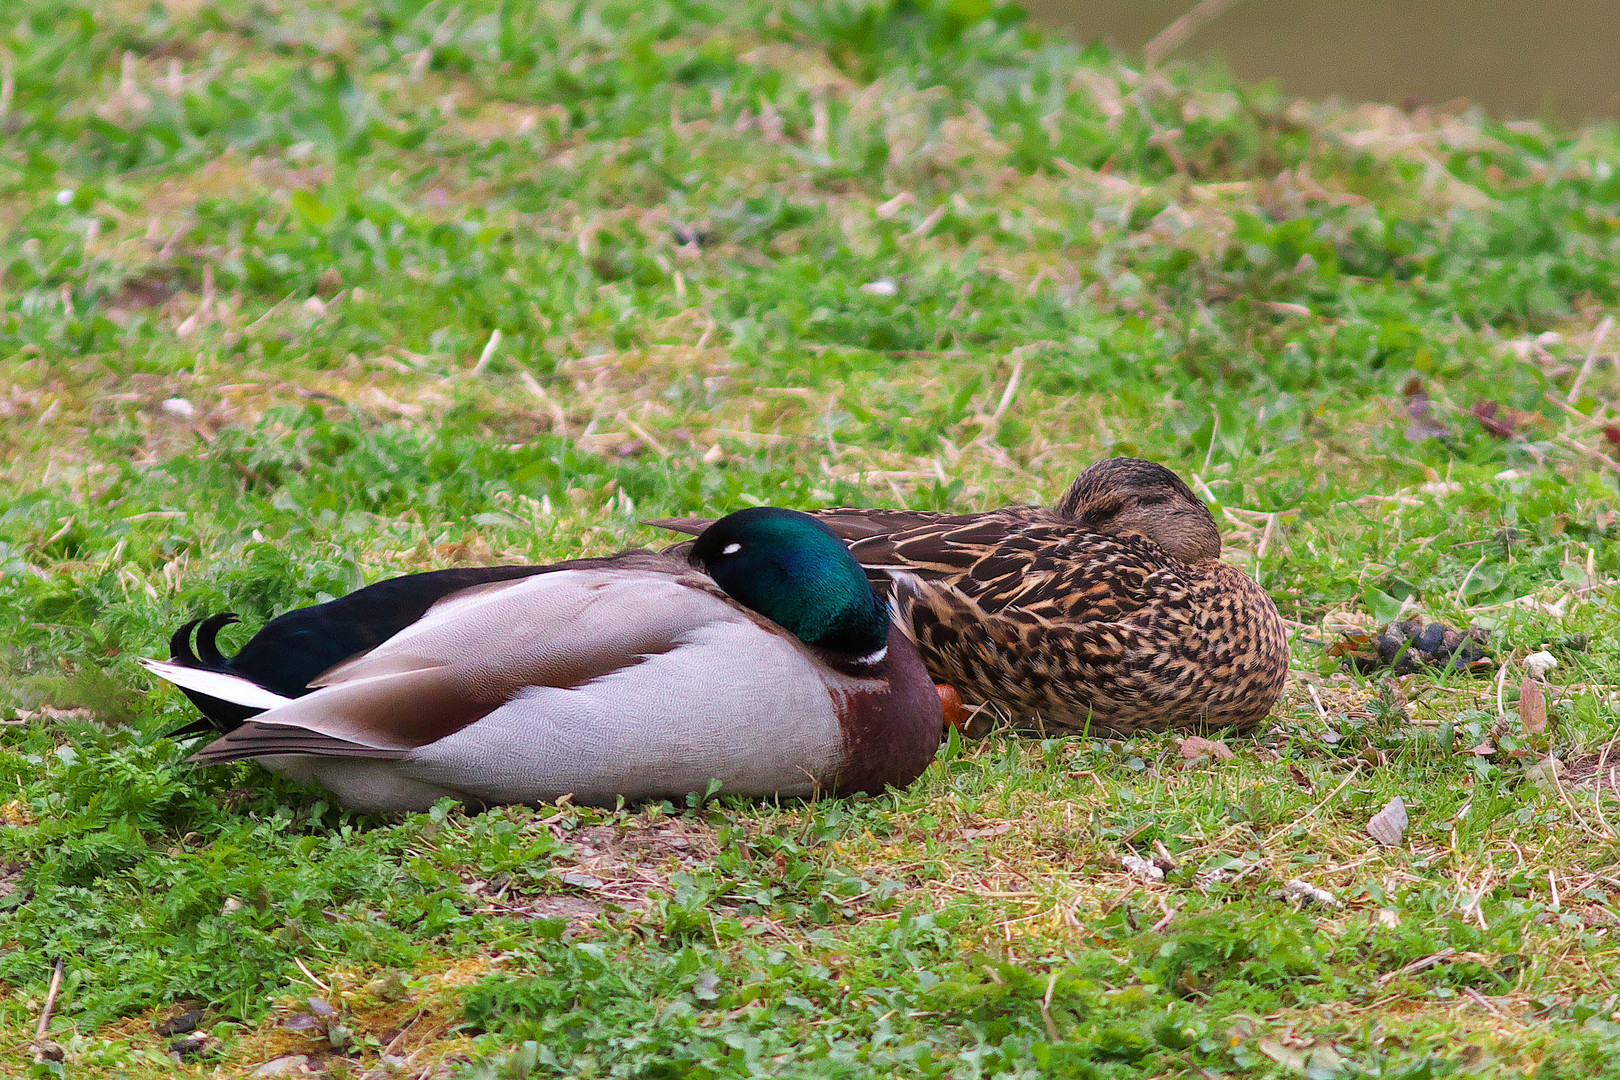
(218, 715)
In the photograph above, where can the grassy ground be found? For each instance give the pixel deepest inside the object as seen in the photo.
(295, 297)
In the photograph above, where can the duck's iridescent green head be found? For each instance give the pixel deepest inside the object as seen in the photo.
(793, 570)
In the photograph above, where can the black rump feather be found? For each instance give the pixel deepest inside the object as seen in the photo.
(294, 649)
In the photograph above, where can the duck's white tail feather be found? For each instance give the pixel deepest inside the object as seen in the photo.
(216, 684)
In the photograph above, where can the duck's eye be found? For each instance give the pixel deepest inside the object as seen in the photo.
(1103, 513)
(731, 548)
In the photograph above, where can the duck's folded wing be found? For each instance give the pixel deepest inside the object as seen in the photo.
(474, 652)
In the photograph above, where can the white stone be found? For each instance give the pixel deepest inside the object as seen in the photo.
(1539, 663)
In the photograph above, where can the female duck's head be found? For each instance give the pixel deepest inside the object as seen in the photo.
(795, 571)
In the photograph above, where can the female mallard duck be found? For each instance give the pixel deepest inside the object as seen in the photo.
(761, 658)
(1111, 610)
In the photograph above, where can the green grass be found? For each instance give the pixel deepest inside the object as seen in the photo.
(253, 257)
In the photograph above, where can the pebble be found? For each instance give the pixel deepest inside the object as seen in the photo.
(1539, 663)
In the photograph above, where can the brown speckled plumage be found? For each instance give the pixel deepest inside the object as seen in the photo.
(1111, 609)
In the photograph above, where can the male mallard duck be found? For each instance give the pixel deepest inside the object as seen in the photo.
(762, 659)
(1111, 609)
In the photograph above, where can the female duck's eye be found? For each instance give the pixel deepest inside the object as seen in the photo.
(1103, 513)
(731, 548)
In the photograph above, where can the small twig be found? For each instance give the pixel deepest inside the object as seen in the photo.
(1265, 539)
(8, 81)
(1316, 699)
(488, 354)
(1476, 903)
(1592, 450)
(1591, 358)
(311, 975)
(1169, 39)
(393, 1043)
(1597, 785)
(1007, 396)
(271, 310)
(532, 385)
(1046, 1006)
(1312, 812)
(44, 1024)
(1461, 589)
(204, 309)
(1484, 1002)
(1416, 966)
(926, 225)
(644, 435)
(1501, 686)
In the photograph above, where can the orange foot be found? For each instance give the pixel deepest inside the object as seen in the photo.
(956, 713)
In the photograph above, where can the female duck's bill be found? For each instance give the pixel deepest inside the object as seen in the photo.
(761, 659)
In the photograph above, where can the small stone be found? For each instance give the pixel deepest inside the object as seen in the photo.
(1539, 663)
(194, 1045)
(179, 1025)
(180, 407)
(581, 881)
(881, 287)
(1142, 868)
(1298, 889)
(286, 1065)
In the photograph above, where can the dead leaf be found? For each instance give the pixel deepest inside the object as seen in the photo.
(1300, 778)
(1532, 707)
(1544, 774)
(1194, 747)
(1388, 826)
(1484, 749)
(1373, 757)
(1498, 421)
(990, 830)
(1421, 423)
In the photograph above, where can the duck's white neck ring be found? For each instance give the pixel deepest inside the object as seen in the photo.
(872, 657)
